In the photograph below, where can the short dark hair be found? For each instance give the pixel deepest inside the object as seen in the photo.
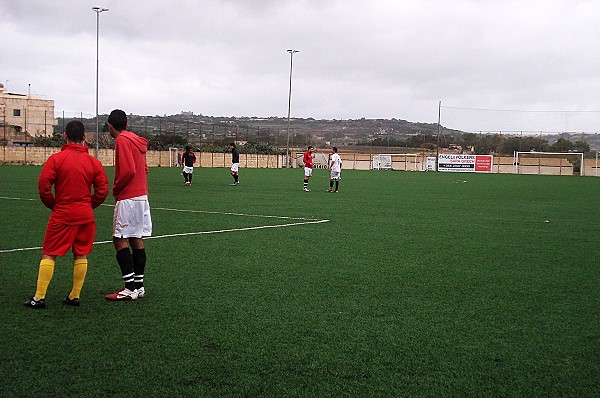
(75, 131)
(232, 144)
(187, 147)
(310, 147)
(118, 119)
(334, 149)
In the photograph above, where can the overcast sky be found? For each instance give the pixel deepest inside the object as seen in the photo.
(372, 59)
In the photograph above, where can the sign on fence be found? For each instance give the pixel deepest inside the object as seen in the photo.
(465, 163)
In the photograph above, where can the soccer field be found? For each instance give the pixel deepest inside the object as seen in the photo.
(403, 284)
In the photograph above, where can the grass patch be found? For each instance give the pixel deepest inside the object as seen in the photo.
(420, 284)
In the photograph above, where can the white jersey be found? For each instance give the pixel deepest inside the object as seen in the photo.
(336, 163)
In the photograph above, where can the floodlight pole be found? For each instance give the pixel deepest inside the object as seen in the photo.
(287, 148)
(439, 128)
(97, 10)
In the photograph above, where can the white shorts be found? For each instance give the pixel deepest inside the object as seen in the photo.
(132, 218)
(188, 170)
(307, 172)
(335, 175)
(235, 167)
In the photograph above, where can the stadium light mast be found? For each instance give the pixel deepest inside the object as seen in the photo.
(97, 10)
(287, 148)
(439, 129)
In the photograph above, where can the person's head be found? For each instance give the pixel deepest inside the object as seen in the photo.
(311, 149)
(75, 132)
(334, 149)
(117, 122)
(232, 145)
(188, 148)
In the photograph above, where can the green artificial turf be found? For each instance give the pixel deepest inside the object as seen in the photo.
(419, 284)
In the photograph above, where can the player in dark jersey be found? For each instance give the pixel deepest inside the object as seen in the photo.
(235, 164)
(187, 161)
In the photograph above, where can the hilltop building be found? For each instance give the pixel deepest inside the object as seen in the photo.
(24, 116)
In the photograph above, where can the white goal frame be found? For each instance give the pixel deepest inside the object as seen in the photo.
(385, 161)
(174, 162)
(517, 156)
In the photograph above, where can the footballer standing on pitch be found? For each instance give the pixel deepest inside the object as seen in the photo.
(235, 164)
(307, 159)
(131, 220)
(72, 172)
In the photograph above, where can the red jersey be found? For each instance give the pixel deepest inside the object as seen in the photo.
(307, 159)
(130, 166)
(73, 172)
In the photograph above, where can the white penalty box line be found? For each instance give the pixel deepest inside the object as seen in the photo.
(300, 221)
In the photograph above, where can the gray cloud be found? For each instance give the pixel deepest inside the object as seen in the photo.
(357, 58)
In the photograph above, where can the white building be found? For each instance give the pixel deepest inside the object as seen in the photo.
(23, 117)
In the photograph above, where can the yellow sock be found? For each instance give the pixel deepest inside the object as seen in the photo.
(44, 277)
(79, 271)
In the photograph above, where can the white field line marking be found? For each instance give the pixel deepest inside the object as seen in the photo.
(200, 211)
(219, 231)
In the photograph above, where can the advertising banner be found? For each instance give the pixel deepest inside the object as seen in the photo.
(465, 163)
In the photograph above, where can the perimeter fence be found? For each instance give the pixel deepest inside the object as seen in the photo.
(425, 161)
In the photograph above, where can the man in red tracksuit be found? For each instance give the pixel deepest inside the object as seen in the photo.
(131, 221)
(307, 159)
(73, 173)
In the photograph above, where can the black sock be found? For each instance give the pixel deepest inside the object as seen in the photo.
(337, 184)
(235, 177)
(190, 177)
(125, 261)
(330, 184)
(139, 264)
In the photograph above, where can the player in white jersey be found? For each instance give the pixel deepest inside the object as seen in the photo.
(335, 167)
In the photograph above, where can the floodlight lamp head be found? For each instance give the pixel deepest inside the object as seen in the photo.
(293, 51)
(99, 9)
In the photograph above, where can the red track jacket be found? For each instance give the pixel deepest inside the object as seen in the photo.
(73, 172)
(130, 166)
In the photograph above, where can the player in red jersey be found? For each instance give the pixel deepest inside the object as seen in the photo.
(307, 159)
(73, 173)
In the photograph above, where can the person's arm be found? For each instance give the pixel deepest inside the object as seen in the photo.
(127, 170)
(100, 184)
(45, 182)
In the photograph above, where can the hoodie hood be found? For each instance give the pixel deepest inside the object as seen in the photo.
(140, 142)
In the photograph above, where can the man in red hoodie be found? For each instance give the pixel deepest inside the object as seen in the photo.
(72, 172)
(131, 221)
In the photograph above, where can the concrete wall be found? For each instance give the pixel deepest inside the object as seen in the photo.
(351, 161)
(38, 155)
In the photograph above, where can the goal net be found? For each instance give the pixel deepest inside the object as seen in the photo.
(382, 162)
(175, 156)
(396, 161)
(551, 163)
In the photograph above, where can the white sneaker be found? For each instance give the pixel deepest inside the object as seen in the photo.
(141, 291)
(123, 295)
(306, 190)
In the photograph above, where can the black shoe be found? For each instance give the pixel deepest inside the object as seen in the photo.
(33, 303)
(74, 302)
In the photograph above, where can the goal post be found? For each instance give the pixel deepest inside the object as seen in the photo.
(174, 156)
(552, 163)
(385, 161)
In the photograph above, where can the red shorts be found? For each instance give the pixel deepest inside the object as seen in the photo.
(60, 238)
